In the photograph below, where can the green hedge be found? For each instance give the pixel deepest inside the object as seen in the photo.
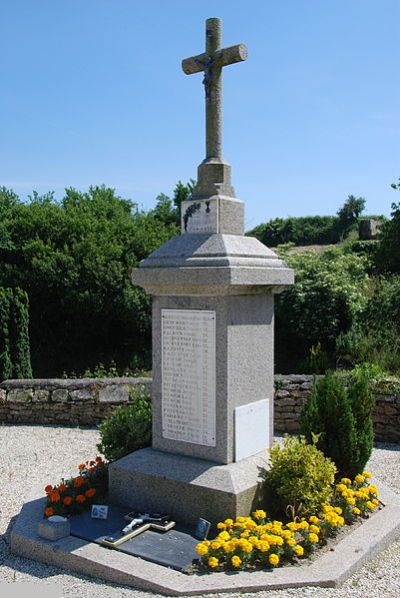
(14, 334)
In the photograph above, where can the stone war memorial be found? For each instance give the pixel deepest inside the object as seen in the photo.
(212, 292)
(213, 326)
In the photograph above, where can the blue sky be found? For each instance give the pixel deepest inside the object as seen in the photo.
(93, 92)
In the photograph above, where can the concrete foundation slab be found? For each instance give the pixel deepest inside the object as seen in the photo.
(331, 569)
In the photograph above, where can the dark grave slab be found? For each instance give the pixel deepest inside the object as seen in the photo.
(174, 549)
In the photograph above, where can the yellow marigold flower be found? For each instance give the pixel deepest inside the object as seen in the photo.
(367, 474)
(254, 540)
(338, 510)
(228, 547)
(370, 505)
(375, 501)
(371, 489)
(245, 534)
(264, 546)
(346, 481)
(356, 511)
(313, 538)
(221, 525)
(247, 547)
(313, 519)
(236, 561)
(341, 487)
(351, 500)
(292, 525)
(228, 522)
(213, 562)
(273, 559)
(299, 550)
(259, 514)
(359, 479)
(201, 549)
(215, 545)
(224, 536)
(291, 542)
(303, 525)
(314, 529)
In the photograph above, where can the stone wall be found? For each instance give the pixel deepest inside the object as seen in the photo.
(73, 402)
(89, 401)
(290, 392)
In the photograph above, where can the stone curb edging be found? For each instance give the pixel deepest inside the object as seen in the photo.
(329, 570)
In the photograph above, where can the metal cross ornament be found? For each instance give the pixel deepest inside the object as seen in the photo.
(211, 63)
(139, 523)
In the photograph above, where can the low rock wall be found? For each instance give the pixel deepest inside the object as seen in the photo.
(80, 402)
(89, 401)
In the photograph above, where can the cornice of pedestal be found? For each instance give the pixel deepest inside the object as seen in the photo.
(214, 264)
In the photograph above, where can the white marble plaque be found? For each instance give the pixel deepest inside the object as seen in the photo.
(251, 429)
(200, 216)
(188, 375)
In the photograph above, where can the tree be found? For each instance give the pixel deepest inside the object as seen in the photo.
(350, 212)
(74, 259)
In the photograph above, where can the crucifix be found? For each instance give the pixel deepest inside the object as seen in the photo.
(138, 523)
(211, 63)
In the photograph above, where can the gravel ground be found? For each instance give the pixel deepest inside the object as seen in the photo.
(34, 455)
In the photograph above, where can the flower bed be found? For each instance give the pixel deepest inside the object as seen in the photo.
(259, 542)
(76, 494)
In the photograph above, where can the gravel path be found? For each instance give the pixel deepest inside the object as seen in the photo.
(34, 455)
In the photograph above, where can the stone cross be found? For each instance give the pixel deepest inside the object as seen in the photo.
(211, 63)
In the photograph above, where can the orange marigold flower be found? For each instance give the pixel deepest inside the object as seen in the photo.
(48, 489)
(80, 498)
(62, 488)
(67, 500)
(81, 466)
(91, 492)
(78, 482)
(54, 496)
(49, 511)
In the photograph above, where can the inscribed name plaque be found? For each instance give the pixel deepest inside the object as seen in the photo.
(188, 375)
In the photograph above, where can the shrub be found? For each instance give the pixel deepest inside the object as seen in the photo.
(14, 335)
(300, 478)
(341, 420)
(128, 428)
(328, 296)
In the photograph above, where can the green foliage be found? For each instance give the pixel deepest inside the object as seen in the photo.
(349, 213)
(14, 335)
(128, 428)
(319, 361)
(375, 337)
(341, 419)
(328, 296)
(307, 230)
(388, 255)
(74, 259)
(168, 210)
(300, 477)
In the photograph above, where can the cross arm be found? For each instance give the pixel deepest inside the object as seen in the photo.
(224, 57)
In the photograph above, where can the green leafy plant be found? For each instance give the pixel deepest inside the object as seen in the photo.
(128, 428)
(341, 418)
(300, 477)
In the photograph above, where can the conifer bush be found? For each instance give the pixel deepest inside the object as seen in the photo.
(340, 420)
(14, 335)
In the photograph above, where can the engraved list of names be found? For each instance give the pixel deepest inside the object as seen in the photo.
(188, 375)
